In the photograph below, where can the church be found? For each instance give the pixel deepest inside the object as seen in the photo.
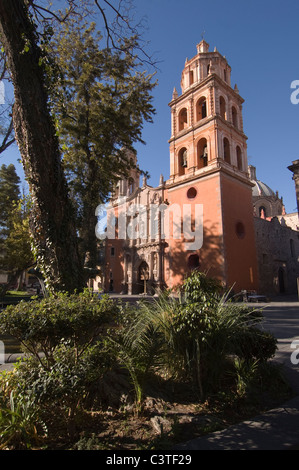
(212, 213)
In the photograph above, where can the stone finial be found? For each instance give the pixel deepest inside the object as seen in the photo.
(236, 89)
(294, 168)
(252, 172)
(203, 46)
(161, 180)
(174, 94)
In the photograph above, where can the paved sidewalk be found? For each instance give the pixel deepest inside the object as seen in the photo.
(278, 429)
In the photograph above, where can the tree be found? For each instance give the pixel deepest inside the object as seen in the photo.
(104, 101)
(17, 252)
(53, 219)
(6, 124)
(15, 246)
(9, 195)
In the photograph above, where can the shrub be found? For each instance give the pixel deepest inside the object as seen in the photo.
(42, 325)
(65, 336)
(194, 335)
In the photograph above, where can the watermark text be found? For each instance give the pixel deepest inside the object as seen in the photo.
(152, 221)
(295, 94)
(295, 354)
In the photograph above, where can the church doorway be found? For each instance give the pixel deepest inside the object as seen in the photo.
(143, 277)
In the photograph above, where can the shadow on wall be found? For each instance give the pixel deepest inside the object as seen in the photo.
(208, 259)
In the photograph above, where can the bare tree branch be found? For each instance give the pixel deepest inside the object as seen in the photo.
(118, 31)
(8, 139)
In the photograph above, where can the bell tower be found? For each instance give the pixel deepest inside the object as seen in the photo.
(207, 126)
(208, 166)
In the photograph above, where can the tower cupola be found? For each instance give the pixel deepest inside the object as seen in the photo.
(204, 64)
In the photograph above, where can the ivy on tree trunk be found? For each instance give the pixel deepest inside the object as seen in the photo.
(52, 218)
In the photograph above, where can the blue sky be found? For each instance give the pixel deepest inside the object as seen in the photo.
(260, 40)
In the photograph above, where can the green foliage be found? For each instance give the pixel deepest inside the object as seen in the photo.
(74, 340)
(68, 383)
(245, 372)
(199, 287)
(100, 102)
(212, 329)
(138, 344)
(20, 424)
(42, 325)
(9, 194)
(65, 336)
(192, 336)
(17, 245)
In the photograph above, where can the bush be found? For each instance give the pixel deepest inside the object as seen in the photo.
(65, 336)
(193, 336)
(42, 325)
(253, 343)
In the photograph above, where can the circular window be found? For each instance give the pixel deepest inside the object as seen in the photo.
(240, 230)
(191, 193)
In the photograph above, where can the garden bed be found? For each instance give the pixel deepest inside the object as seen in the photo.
(170, 415)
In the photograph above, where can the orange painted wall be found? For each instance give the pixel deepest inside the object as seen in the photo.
(240, 250)
(211, 253)
(114, 265)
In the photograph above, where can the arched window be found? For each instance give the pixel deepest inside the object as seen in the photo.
(262, 212)
(235, 117)
(201, 109)
(239, 158)
(222, 107)
(202, 153)
(183, 119)
(131, 185)
(182, 161)
(226, 150)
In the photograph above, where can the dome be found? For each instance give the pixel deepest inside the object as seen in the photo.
(261, 189)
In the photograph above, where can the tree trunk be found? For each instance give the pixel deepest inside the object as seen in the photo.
(52, 218)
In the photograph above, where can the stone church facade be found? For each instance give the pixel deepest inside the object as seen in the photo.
(277, 240)
(211, 213)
